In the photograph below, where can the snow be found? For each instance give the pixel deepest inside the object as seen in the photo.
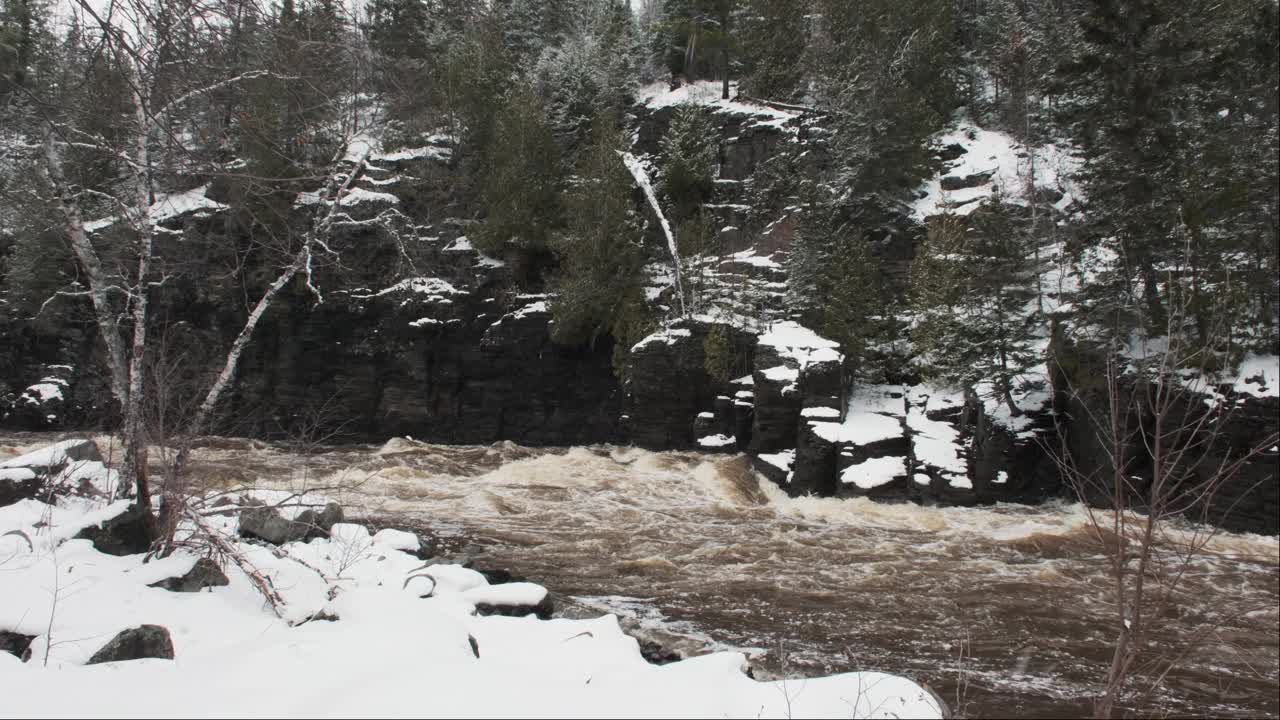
(390, 652)
(936, 442)
(1259, 376)
(781, 460)
(874, 472)
(874, 414)
(43, 392)
(397, 540)
(356, 196)
(749, 257)
(518, 593)
(166, 206)
(460, 244)
(20, 474)
(990, 151)
(424, 322)
(667, 336)
(434, 288)
(532, 309)
(418, 153)
(715, 441)
(800, 343)
(820, 412)
(708, 93)
(51, 456)
(782, 373)
(641, 176)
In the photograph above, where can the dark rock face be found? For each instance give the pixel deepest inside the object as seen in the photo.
(16, 644)
(1250, 501)
(205, 573)
(798, 405)
(146, 641)
(668, 386)
(129, 533)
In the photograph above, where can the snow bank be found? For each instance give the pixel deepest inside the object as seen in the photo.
(1010, 164)
(874, 472)
(801, 344)
(390, 651)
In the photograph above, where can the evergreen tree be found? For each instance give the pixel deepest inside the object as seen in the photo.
(881, 68)
(689, 152)
(1175, 202)
(969, 293)
(772, 36)
(600, 252)
(520, 186)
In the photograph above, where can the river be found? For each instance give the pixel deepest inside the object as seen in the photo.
(1003, 611)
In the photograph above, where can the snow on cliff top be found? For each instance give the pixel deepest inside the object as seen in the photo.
(805, 346)
(708, 93)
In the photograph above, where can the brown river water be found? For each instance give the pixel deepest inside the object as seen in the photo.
(1003, 611)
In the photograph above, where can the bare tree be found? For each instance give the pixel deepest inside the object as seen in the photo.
(1155, 417)
(137, 43)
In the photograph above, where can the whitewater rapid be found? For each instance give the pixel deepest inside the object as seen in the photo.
(1002, 610)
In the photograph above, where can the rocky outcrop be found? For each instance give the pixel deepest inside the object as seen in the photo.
(672, 396)
(146, 641)
(798, 384)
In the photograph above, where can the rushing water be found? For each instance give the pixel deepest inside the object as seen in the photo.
(1002, 610)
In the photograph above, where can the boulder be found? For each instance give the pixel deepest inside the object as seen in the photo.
(542, 610)
(205, 573)
(16, 644)
(146, 641)
(318, 524)
(128, 533)
(266, 524)
(814, 472)
(17, 484)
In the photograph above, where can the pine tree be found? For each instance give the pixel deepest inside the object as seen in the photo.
(772, 37)
(600, 252)
(520, 185)
(1174, 200)
(969, 293)
(689, 152)
(881, 68)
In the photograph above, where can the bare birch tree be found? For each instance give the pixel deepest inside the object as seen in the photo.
(137, 39)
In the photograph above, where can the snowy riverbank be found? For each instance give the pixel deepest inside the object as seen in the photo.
(390, 650)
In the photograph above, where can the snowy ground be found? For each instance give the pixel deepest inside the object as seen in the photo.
(390, 652)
